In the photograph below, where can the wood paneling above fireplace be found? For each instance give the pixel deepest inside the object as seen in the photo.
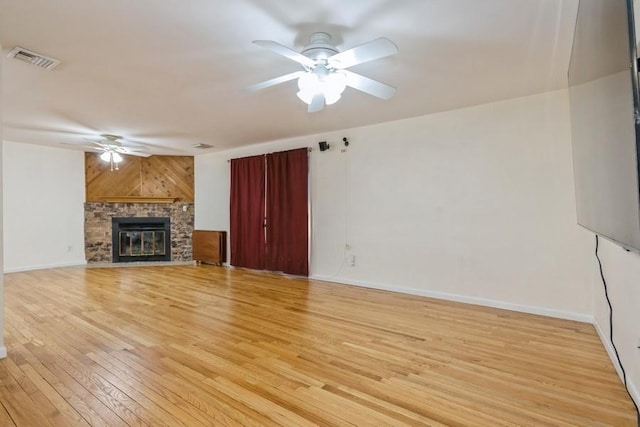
(140, 177)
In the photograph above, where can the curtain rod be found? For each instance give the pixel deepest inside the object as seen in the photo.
(309, 149)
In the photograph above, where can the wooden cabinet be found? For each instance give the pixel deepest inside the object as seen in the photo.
(209, 246)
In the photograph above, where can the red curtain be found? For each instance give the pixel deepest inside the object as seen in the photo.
(287, 246)
(247, 239)
(285, 209)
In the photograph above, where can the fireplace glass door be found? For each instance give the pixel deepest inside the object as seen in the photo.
(141, 243)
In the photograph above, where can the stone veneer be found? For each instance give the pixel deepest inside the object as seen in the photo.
(97, 226)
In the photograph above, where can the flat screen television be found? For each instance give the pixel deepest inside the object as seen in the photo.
(603, 95)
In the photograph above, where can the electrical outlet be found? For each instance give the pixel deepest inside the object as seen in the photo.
(352, 260)
(69, 248)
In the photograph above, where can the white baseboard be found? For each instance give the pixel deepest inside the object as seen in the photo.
(608, 346)
(45, 266)
(3, 352)
(604, 338)
(542, 311)
(633, 391)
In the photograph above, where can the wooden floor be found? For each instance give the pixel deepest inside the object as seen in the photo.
(204, 345)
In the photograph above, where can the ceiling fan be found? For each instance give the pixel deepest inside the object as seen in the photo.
(111, 148)
(325, 76)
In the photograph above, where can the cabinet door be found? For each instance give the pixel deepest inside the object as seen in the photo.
(209, 246)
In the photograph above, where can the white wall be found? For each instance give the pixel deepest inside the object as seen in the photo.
(43, 207)
(3, 349)
(474, 204)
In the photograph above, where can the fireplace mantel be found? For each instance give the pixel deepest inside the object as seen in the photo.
(138, 199)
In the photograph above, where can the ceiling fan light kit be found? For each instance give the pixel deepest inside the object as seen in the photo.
(325, 83)
(111, 156)
(325, 77)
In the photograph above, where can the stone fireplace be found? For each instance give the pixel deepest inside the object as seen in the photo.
(148, 241)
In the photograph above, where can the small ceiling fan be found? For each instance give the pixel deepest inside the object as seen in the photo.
(325, 76)
(111, 148)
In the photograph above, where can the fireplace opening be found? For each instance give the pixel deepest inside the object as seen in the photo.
(141, 239)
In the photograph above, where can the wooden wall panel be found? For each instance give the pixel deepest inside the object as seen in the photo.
(101, 182)
(155, 176)
(168, 176)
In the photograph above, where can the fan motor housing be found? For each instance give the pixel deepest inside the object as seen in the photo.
(320, 47)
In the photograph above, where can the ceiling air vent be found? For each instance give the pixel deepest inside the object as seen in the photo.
(202, 146)
(33, 58)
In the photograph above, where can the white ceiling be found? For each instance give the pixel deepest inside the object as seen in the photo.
(172, 73)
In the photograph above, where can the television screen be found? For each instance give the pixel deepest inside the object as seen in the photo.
(603, 94)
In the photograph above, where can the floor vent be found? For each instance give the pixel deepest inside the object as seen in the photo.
(33, 58)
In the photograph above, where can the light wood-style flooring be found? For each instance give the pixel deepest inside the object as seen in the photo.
(204, 345)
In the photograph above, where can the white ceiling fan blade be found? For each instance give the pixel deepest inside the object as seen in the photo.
(317, 103)
(130, 152)
(83, 147)
(370, 86)
(272, 82)
(375, 49)
(97, 144)
(286, 52)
